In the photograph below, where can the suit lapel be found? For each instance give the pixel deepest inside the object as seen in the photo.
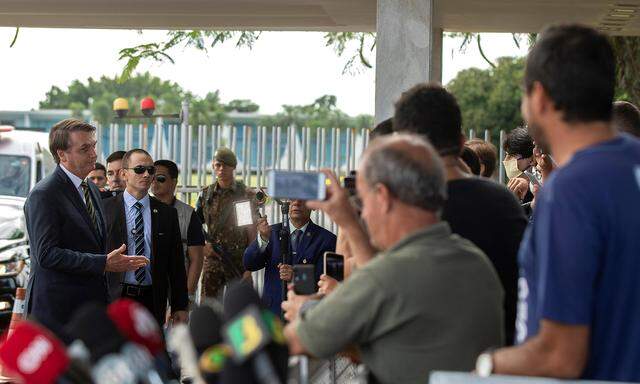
(72, 194)
(97, 203)
(120, 225)
(153, 205)
(304, 243)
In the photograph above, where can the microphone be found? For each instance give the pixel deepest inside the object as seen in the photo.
(254, 336)
(115, 359)
(34, 355)
(204, 328)
(179, 342)
(137, 325)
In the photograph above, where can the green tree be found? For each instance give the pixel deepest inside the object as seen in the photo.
(490, 98)
(242, 105)
(98, 95)
(322, 113)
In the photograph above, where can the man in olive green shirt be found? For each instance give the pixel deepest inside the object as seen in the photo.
(431, 300)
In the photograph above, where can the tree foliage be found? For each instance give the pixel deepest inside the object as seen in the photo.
(490, 98)
(323, 112)
(357, 45)
(627, 53)
(97, 95)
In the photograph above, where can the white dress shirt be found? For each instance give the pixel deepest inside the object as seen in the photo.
(76, 182)
(131, 212)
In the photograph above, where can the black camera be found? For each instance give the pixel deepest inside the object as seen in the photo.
(350, 183)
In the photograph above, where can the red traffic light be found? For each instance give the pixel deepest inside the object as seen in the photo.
(148, 106)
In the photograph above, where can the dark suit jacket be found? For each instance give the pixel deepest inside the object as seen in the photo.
(314, 243)
(67, 255)
(168, 274)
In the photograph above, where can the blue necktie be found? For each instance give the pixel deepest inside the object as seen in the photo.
(138, 236)
(295, 238)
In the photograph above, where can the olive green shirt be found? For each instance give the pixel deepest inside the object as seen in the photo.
(432, 301)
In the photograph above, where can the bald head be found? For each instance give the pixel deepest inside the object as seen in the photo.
(409, 167)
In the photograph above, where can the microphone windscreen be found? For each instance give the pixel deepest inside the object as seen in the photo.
(92, 325)
(204, 326)
(239, 296)
(137, 324)
(33, 354)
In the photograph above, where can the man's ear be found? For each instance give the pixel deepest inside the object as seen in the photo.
(539, 100)
(61, 155)
(383, 197)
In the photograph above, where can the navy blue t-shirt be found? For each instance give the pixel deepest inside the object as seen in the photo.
(580, 260)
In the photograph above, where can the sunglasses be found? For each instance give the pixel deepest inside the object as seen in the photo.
(139, 169)
(161, 178)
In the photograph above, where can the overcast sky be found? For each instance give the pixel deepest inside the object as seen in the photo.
(282, 68)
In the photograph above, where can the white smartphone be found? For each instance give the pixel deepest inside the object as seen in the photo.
(244, 213)
(295, 185)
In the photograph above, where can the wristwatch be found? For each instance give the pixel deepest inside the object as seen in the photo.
(484, 363)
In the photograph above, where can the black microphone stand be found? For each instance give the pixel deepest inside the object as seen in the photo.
(284, 238)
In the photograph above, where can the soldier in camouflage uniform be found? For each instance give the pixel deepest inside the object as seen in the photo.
(215, 206)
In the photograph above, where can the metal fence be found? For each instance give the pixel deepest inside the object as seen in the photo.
(258, 148)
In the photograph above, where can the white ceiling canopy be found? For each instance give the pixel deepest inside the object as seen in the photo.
(614, 16)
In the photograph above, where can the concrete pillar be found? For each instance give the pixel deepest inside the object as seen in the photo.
(435, 70)
(405, 40)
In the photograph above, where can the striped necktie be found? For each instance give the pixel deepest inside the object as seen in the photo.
(138, 236)
(295, 239)
(89, 204)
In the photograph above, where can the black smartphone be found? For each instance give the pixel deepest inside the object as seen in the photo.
(334, 265)
(304, 279)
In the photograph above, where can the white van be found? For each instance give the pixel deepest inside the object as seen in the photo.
(24, 160)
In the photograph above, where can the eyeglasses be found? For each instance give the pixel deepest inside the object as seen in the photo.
(139, 169)
(161, 178)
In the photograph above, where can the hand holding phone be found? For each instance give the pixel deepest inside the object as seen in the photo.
(264, 229)
(304, 279)
(334, 265)
(295, 185)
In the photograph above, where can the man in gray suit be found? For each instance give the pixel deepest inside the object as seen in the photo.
(67, 231)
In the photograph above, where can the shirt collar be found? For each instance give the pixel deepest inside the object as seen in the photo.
(129, 200)
(74, 179)
(303, 229)
(440, 229)
(232, 188)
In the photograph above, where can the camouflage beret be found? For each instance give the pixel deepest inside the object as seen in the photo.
(226, 156)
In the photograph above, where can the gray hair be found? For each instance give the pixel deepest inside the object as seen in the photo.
(410, 168)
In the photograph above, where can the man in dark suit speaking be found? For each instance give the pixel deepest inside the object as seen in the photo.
(150, 227)
(308, 244)
(67, 231)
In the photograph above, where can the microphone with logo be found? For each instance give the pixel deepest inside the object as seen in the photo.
(255, 337)
(33, 355)
(115, 360)
(138, 326)
(204, 328)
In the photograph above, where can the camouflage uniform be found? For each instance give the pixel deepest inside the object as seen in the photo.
(213, 203)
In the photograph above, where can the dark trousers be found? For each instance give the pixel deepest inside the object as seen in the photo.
(143, 295)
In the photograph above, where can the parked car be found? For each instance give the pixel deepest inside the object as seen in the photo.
(24, 160)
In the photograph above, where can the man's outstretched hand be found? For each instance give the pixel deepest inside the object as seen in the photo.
(117, 261)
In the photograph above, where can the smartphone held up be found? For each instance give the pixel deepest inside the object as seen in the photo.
(296, 185)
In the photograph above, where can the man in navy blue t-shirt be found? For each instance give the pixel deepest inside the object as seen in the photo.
(579, 287)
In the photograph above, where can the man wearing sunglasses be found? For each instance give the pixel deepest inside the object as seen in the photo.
(151, 228)
(164, 189)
